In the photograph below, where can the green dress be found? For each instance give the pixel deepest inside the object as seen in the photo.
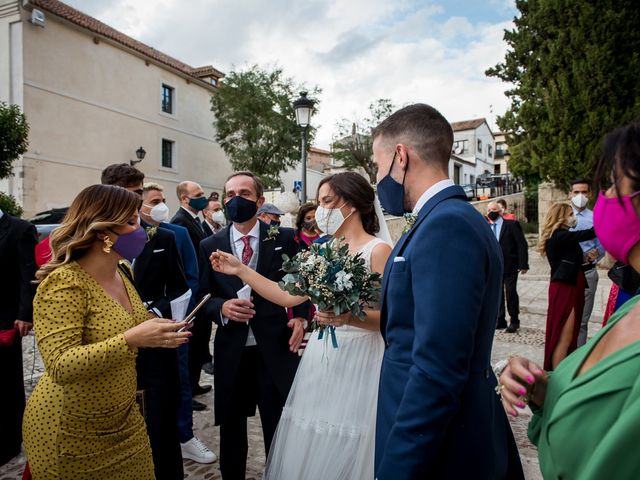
(589, 427)
(82, 421)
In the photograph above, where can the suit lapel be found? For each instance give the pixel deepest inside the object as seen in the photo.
(142, 262)
(449, 192)
(4, 227)
(265, 249)
(502, 230)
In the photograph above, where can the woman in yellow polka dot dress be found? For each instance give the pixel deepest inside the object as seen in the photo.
(82, 420)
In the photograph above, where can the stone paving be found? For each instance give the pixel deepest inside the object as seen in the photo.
(528, 341)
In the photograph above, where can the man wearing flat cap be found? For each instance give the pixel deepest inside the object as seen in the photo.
(270, 214)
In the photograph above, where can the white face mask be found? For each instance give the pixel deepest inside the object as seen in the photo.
(159, 213)
(580, 200)
(329, 220)
(219, 218)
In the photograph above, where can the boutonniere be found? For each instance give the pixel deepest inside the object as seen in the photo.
(272, 233)
(151, 231)
(410, 218)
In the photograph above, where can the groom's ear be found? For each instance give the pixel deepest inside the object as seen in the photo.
(260, 202)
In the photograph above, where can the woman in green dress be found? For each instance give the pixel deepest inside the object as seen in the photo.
(82, 420)
(586, 413)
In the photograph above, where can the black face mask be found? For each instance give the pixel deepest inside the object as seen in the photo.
(493, 216)
(274, 223)
(309, 226)
(240, 210)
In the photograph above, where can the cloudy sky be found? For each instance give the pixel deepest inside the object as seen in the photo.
(432, 51)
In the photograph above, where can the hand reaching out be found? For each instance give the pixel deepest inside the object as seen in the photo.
(522, 381)
(226, 263)
(157, 332)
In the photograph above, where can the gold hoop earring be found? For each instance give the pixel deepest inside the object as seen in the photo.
(106, 248)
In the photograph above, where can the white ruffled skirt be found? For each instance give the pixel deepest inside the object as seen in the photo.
(327, 428)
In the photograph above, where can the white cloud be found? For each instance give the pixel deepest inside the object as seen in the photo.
(356, 50)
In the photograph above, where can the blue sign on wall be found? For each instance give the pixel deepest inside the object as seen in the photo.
(297, 185)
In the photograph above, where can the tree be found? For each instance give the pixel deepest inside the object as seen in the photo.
(255, 123)
(14, 132)
(9, 205)
(353, 146)
(574, 66)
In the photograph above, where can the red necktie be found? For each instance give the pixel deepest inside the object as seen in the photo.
(247, 252)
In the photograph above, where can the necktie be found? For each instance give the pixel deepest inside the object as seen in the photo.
(494, 226)
(199, 223)
(247, 251)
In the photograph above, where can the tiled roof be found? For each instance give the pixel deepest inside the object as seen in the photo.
(319, 150)
(83, 20)
(467, 124)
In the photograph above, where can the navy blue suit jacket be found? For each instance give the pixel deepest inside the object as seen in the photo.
(438, 413)
(187, 254)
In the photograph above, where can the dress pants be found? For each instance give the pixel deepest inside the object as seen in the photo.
(510, 291)
(11, 401)
(254, 387)
(185, 408)
(589, 297)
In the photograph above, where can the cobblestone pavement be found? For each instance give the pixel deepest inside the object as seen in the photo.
(528, 341)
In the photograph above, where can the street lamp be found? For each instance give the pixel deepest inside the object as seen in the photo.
(303, 107)
(140, 153)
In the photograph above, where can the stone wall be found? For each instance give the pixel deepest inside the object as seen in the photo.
(548, 194)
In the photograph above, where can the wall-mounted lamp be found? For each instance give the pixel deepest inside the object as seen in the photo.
(140, 153)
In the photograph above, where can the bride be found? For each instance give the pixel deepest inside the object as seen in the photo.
(327, 428)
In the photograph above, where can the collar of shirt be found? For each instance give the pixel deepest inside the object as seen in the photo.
(189, 212)
(499, 221)
(253, 234)
(430, 193)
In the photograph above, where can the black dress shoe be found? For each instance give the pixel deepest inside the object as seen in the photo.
(512, 328)
(501, 325)
(200, 390)
(208, 368)
(198, 406)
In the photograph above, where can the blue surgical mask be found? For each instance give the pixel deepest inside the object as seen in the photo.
(391, 192)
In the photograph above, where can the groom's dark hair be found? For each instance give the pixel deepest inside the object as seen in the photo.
(422, 127)
(256, 182)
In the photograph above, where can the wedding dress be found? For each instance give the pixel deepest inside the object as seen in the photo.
(327, 428)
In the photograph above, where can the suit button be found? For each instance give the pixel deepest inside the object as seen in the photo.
(486, 373)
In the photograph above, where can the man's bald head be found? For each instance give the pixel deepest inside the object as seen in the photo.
(187, 191)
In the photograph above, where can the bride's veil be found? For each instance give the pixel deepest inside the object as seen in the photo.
(383, 234)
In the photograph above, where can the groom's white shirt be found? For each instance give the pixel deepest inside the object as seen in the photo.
(431, 192)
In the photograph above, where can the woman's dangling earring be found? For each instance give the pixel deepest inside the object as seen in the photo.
(106, 248)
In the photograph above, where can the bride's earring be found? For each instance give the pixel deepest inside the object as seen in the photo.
(106, 248)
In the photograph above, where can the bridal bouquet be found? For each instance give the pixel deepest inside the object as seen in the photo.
(333, 279)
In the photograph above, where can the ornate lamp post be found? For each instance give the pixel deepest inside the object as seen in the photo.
(140, 153)
(303, 107)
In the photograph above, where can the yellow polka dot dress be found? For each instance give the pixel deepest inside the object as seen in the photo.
(82, 421)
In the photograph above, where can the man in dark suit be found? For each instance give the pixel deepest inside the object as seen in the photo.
(438, 414)
(17, 263)
(515, 255)
(253, 363)
(193, 200)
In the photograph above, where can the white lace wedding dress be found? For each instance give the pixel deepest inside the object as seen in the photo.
(327, 428)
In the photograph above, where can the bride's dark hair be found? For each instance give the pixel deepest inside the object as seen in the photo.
(356, 191)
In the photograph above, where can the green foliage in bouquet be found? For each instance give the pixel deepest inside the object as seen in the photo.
(334, 279)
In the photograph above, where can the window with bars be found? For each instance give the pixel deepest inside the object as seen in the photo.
(167, 153)
(167, 99)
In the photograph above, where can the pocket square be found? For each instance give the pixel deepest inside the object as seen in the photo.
(277, 248)
(158, 250)
(399, 259)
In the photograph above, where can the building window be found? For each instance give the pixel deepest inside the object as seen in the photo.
(490, 150)
(460, 146)
(479, 146)
(167, 153)
(496, 169)
(167, 98)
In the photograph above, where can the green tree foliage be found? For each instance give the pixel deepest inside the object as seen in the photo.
(352, 145)
(14, 133)
(255, 122)
(9, 205)
(574, 66)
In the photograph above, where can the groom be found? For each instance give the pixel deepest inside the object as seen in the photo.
(253, 364)
(438, 413)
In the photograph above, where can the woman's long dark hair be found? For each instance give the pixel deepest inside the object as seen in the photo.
(620, 157)
(352, 188)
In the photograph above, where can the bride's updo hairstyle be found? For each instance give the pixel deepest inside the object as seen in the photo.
(354, 190)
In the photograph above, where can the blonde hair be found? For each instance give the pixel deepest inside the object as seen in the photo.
(94, 210)
(555, 218)
(152, 186)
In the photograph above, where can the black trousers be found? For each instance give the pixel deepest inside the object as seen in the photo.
(199, 353)
(11, 401)
(510, 291)
(254, 387)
